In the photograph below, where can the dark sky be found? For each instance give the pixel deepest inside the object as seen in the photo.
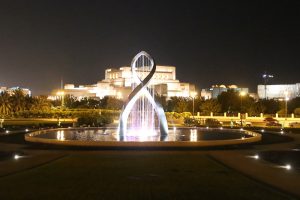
(210, 42)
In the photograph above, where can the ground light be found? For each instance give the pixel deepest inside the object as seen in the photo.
(256, 156)
(288, 167)
(16, 156)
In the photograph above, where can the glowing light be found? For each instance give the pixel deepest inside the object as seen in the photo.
(16, 156)
(60, 135)
(193, 94)
(7, 131)
(243, 137)
(262, 130)
(141, 132)
(256, 156)
(119, 95)
(242, 93)
(207, 127)
(174, 129)
(288, 167)
(221, 128)
(26, 130)
(241, 129)
(60, 93)
(193, 136)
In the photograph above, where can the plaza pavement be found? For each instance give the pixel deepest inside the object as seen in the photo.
(238, 159)
(260, 170)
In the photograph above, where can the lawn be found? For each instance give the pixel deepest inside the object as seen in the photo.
(133, 175)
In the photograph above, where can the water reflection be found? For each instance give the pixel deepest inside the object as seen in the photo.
(110, 134)
(60, 135)
(193, 135)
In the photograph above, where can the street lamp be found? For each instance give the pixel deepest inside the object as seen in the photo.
(286, 100)
(193, 95)
(242, 93)
(61, 94)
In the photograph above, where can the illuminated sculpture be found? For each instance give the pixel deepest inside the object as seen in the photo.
(142, 116)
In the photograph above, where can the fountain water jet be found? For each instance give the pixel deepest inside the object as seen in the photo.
(142, 116)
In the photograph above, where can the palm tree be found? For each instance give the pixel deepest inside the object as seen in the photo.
(5, 104)
(41, 103)
(18, 100)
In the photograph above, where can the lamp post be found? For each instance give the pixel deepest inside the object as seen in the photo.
(193, 95)
(61, 94)
(242, 93)
(286, 100)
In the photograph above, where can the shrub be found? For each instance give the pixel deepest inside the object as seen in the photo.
(94, 119)
(188, 121)
(297, 111)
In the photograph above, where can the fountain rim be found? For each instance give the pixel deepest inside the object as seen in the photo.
(30, 137)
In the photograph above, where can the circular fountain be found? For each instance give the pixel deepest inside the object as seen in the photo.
(109, 137)
(143, 122)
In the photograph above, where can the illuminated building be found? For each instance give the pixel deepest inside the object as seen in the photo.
(216, 90)
(11, 90)
(278, 91)
(117, 83)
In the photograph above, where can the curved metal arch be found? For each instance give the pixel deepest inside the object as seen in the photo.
(138, 91)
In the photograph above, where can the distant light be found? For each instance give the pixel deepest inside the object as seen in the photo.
(281, 132)
(16, 156)
(174, 129)
(243, 138)
(207, 127)
(221, 128)
(241, 129)
(296, 149)
(256, 156)
(288, 167)
(26, 130)
(7, 131)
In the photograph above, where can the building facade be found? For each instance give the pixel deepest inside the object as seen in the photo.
(117, 83)
(11, 90)
(216, 90)
(278, 91)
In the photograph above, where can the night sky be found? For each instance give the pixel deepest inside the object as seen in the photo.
(210, 42)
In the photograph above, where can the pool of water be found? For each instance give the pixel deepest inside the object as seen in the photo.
(110, 134)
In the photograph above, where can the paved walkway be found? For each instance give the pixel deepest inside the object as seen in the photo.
(240, 160)
(271, 174)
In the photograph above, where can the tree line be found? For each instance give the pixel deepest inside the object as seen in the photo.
(17, 104)
(229, 102)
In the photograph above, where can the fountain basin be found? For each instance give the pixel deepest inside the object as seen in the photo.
(108, 137)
